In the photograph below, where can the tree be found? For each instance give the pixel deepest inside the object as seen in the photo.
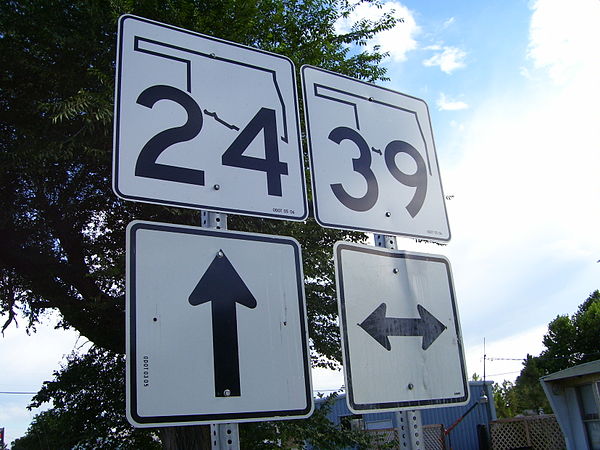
(88, 403)
(573, 340)
(569, 341)
(528, 392)
(317, 431)
(559, 344)
(62, 227)
(504, 399)
(87, 413)
(587, 329)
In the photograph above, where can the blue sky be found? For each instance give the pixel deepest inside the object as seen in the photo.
(513, 93)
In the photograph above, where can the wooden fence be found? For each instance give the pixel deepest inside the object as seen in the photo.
(433, 437)
(531, 432)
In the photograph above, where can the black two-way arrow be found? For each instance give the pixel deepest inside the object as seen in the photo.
(223, 287)
(381, 328)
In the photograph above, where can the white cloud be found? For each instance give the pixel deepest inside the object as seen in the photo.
(526, 201)
(327, 380)
(448, 58)
(457, 125)
(397, 41)
(526, 191)
(448, 23)
(526, 73)
(564, 38)
(446, 104)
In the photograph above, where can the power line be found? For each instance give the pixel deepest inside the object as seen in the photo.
(505, 373)
(505, 359)
(18, 393)
(582, 355)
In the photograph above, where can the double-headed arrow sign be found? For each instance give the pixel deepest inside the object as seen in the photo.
(381, 327)
(426, 366)
(223, 287)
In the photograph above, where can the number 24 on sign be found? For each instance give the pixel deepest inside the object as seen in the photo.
(264, 120)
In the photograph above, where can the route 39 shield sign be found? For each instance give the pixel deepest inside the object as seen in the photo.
(373, 161)
(205, 123)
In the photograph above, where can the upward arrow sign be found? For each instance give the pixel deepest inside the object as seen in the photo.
(223, 287)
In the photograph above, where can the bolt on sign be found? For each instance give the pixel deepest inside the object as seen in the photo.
(205, 123)
(216, 327)
(373, 160)
(401, 338)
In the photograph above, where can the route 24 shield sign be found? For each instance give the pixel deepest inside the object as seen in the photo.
(205, 123)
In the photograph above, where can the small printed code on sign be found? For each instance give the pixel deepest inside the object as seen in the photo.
(435, 232)
(283, 211)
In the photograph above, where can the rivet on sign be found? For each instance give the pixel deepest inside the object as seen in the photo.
(388, 214)
(226, 392)
(217, 187)
(371, 99)
(212, 55)
(220, 253)
(396, 271)
(411, 386)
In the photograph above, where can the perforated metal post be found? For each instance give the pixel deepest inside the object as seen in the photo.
(224, 436)
(382, 240)
(209, 219)
(410, 428)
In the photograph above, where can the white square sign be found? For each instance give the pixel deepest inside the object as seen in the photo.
(216, 327)
(373, 160)
(205, 123)
(401, 338)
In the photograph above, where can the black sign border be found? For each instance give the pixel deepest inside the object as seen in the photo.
(192, 419)
(393, 405)
(342, 226)
(117, 114)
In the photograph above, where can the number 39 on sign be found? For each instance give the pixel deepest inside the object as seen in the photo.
(373, 161)
(205, 123)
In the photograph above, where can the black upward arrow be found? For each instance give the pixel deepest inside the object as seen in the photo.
(381, 327)
(223, 287)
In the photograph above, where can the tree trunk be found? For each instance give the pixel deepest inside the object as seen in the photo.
(196, 437)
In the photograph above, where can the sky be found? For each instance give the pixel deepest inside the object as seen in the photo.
(513, 93)
(514, 98)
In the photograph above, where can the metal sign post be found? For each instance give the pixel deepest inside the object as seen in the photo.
(410, 428)
(224, 436)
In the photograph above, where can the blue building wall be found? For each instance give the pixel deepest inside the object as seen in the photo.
(463, 437)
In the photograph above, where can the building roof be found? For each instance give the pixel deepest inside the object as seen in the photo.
(576, 371)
